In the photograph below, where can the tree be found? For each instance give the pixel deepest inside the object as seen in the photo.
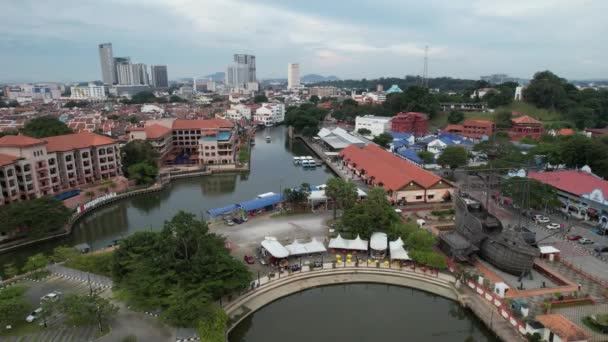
(502, 97)
(134, 119)
(421, 240)
(176, 99)
(364, 131)
(90, 194)
(342, 193)
(35, 262)
(455, 117)
(86, 310)
(350, 102)
(137, 151)
(314, 99)
(182, 270)
(213, 327)
(74, 104)
(546, 90)
(143, 173)
(413, 99)
(10, 270)
(13, 305)
(34, 218)
(383, 139)
(530, 193)
(260, 98)
(453, 157)
(503, 119)
(45, 126)
(63, 253)
(426, 156)
(375, 213)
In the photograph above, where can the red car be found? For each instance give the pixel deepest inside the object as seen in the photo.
(249, 259)
(574, 237)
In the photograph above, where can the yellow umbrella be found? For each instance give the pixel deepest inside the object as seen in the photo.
(377, 261)
(386, 263)
(338, 262)
(338, 256)
(349, 256)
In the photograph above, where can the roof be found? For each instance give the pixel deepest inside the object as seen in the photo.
(394, 89)
(6, 159)
(78, 140)
(397, 251)
(297, 248)
(479, 123)
(565, 131)
(400, 136)
(156, 131)
(458, 128)
(393, 172)
(263, 202)
(576, 182)
(411, 155)
(378, 241)
(275, 248)
(562, 327)
(219, 211)
(214, 123)
(357, 244)
(338, 138)
(525, 120)
(548, 250)
(19, 141)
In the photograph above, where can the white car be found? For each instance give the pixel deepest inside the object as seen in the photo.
(552, 226)
(53, 296)
(229, 222)
(33, 316)
(585, 241)
(542, 219)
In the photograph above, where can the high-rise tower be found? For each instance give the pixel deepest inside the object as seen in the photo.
(106, 58)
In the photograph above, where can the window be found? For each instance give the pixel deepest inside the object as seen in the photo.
(53, 171)
(431, 196)
(52, 161)
(9, 173)
(109, 149)
(85, 155)
(418, 197)
(70, 167)
(68, 158)
(27, 167)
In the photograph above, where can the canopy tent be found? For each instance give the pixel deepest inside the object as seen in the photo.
(275, 248)
(317, 196)
(358, 244)
(397, 251)
(338, 243)
(223, 210)
(379, 241)
(263, 202)
(297, 248)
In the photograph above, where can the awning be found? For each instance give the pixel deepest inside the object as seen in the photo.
(263, 202)
(297, 248)
(358, 244)
(224, 210)
(399, 254)
(338, 243)
(275, 248)
(548, 250)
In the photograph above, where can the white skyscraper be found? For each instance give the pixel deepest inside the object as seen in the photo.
(106, 58)
(293, 75)
(124, 70)
(242, 73)
(140, 74)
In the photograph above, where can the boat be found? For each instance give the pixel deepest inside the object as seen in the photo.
(479, 233)
(296, 160)
(268, 138)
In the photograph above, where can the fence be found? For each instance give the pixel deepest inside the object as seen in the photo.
(580, 271)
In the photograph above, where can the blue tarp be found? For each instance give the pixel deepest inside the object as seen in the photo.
(399, 143)
(263, 202)
(224, 210)
(411, 155)
(400, 136)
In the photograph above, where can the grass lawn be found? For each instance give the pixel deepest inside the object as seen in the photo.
(23, 328)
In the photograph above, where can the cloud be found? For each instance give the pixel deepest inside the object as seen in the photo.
(523, 8)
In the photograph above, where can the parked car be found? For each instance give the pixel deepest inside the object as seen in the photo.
(229, 222)
(237, 220)
(601, 249)
(53, 296)
(249, 259)
(245, 219)
(585, 241)
(599, 231)
(542, 219)
(33, 316)
(295, 268)
(574, 237)
(552, 226)
(318, 264)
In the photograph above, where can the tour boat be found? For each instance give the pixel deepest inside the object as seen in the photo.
(268, 138)
(296, 160)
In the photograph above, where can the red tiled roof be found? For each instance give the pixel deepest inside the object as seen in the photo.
(6, 159)
(524, 119)
(572, 181)
(202, 124)
(393, 172)
(563, 328)
(75, 141)
(156, 131)
(449, 128)
(19, 141)
(478, 123)
(565, 131)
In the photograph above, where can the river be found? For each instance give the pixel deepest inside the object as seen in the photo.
(272, 169)
(361, 312)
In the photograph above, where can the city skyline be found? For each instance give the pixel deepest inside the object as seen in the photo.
(384, 38)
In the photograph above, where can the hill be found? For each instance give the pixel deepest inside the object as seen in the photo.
(315, 78)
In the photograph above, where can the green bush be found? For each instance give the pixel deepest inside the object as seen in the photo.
(98, 263)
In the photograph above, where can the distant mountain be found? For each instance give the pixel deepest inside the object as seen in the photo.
(219, 76)
(314, 78)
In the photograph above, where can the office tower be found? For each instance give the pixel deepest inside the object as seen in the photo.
(241, 72)
(293, 75)
(159, 76)
(124, 70)
(140, 74)
(106, 58)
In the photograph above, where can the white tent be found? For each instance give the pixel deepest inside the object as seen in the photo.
(315, 246)
(378, 241)
(317, 196)
(338, 243)
(358, 244)
(396, 243)
(275, 248)
(548, 250)
(397, 251)
(296, 248)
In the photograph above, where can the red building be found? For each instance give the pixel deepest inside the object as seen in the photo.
(525, 126)
(476, 129)
(411, 122)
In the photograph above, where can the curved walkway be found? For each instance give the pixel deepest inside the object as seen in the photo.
(271, 290)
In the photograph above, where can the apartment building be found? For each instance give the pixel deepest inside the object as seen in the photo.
(376, 124)
(158, 136)
(213, 141)
(270, 114)
(31, 168)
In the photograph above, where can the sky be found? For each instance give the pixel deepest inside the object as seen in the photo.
(57, 40)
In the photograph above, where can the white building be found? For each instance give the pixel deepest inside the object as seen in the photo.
(238, 112)
(293, 75)
(241, 74)
(88, 92)
(140, 74)
(30, 92)
(376, 124)
(124, 71)
(270, 114)
(518, 93)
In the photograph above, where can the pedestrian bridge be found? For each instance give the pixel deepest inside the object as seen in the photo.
(271, 289)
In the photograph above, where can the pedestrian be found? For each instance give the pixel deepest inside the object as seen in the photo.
(580, 287)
